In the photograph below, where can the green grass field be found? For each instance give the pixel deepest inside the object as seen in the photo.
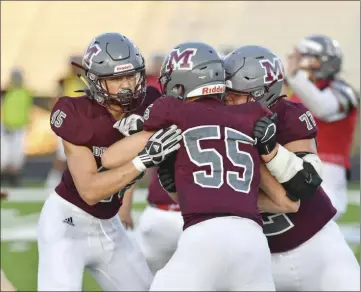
(19, 255)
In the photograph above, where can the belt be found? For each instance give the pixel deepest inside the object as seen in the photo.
(170, 207)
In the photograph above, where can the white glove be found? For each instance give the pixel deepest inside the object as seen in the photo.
(129, 125)
(159, 147)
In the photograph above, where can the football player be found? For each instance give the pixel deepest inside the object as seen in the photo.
(78, 225)
(312, 75)
(160, 225)
(71, 86)
(309, 252)
(218, 205)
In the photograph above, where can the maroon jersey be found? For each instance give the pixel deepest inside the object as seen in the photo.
(287, 231)
(156, 194)
(151, 95)
(217, 166)
(82, 121)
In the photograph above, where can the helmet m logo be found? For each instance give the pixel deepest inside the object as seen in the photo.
(273, 70)
(180, 60)
(91, 51)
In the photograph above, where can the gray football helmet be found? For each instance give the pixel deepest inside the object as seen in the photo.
(192, 69)
(225, 51)
(326, 50)
(108, 56)
(255, 71)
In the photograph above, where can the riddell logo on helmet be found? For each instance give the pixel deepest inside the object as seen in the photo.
(210, 89)
(121, 68)
(213, 89)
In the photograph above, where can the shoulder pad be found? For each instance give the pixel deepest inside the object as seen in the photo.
(160, 114)
(295, 122)
(345, 94)
(69, 122)
(151, 96)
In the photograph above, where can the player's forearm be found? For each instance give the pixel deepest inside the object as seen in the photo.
(265, 204)
(320, 103)
(277, 196)
(128, 199)
(101, 185)
(125, 150)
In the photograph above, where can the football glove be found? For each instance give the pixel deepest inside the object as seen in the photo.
(264, 132)
(158, 148)
(166, 174)
(129, 125)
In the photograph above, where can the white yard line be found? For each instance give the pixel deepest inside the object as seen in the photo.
(24, 195)
(40, 194)
(28, 232)
(27, 229)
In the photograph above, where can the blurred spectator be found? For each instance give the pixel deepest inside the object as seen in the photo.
(153, 70)
(67, 87)
(16, 105)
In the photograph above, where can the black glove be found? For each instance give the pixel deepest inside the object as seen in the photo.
(264, 132)
(166, 174)
(159, 147)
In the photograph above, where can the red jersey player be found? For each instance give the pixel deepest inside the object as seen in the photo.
(312, 76)
(217, 174)
(160, 224)
(309, 252)
(79, 226)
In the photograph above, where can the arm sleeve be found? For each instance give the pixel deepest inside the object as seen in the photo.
(322, 103)
(160, 114)
(70, 124)
(295, 123)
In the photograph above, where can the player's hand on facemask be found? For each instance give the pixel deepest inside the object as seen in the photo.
(130, 125)
(264, 132)
(159, 147)
(166, 174)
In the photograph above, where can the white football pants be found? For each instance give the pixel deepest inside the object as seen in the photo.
(335, 185)
(223, 254)
(70, 240)
(323, 263)
(157, 234)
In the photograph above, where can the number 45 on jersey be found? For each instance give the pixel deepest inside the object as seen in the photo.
(57, 118)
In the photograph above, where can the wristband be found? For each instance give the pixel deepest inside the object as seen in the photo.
(138, 164)
(284, 165)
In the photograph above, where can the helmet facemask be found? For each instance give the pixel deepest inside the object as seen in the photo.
(126, 99)
(260, 94)
(320, 56)
(177, 90)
